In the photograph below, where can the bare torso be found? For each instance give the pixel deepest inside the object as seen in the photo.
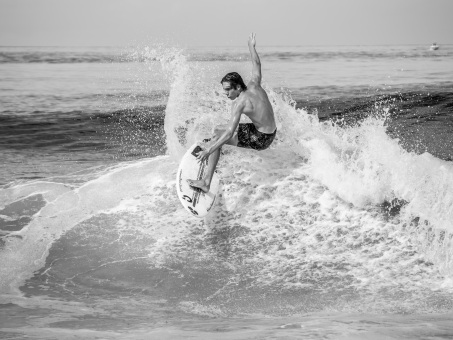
(258, 108)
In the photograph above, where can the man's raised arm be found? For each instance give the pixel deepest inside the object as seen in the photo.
(256, 63)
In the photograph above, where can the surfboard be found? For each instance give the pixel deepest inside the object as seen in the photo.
(195, 201)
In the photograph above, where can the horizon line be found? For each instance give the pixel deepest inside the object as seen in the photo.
(193, 46)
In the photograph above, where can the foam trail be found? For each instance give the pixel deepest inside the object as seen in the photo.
(25, 251)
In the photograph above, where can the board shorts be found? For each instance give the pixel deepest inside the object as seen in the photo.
(249, 137)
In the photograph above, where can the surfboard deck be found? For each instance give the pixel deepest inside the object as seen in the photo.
(195, 201)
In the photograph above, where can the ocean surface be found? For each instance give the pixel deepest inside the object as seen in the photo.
(343, 229)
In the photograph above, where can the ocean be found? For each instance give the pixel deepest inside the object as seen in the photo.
(342, 229)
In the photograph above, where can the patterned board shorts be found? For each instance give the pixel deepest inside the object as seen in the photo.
(250, 137)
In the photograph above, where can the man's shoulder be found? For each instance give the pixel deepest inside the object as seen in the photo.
(246, 96)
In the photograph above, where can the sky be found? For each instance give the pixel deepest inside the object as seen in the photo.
(224, 22)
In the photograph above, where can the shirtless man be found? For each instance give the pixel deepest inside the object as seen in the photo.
(250, 100)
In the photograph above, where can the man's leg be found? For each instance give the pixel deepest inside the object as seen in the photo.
(213, 159)
(212, 165)
(215, 156)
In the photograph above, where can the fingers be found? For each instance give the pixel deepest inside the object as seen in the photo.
(201, 157)
(252, 37)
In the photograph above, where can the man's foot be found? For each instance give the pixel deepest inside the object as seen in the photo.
(201, 184)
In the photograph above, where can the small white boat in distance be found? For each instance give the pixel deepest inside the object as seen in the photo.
(434, 47)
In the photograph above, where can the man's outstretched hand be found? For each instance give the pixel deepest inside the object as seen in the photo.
(252, 40)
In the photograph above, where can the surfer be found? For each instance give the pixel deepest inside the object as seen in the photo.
(250, 100)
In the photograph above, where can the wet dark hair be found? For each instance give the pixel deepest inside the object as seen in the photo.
(234, 79)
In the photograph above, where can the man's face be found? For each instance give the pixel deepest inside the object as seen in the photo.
(230, 91)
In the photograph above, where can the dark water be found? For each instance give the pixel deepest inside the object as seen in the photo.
(422, 121)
